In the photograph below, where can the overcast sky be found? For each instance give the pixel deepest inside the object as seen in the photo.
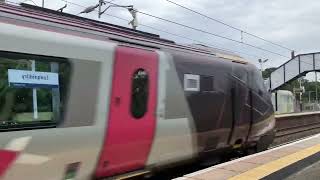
(291, 23)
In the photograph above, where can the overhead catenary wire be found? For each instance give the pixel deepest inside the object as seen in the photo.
(173, 34)
(201, 31)
(201, 42)
(250, 45)
(180, 36)
(207, 32)
(31, 1)
(212, 34)
(230, 26)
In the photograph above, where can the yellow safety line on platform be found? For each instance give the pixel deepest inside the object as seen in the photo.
(273, 166)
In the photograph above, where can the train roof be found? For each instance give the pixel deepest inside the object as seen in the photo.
(114, 32)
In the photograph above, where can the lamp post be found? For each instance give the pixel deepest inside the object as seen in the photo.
(261, 64)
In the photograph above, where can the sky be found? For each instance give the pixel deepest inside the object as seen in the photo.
(291, 23)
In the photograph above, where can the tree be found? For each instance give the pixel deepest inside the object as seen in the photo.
(310, 90)
(266, 73)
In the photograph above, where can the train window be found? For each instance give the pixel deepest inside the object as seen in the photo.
(191, 82)
(206, 83)
(32, 91)
(258, 82)
(240, 73)
(140, 92)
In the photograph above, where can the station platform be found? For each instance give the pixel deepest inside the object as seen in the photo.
(291, 161)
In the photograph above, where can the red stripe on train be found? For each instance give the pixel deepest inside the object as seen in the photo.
(128, 139)
(6, 159)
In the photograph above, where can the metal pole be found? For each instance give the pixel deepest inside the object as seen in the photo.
(276, 100)
(100, 5)
(300, 99)
(316, 78)
(260, 62)
(292, 54)
(134, 22)
(34, 94)
(309, 95)
(55, 93)
(43, 3)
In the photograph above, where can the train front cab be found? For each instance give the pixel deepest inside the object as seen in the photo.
(262, 130)
(229, 106)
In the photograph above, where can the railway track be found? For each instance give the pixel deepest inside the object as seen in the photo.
(292, 129)
(297, 129)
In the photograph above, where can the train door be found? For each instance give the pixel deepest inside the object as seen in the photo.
(131, 123)
(241, 103)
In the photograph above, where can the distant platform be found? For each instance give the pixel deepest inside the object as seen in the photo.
(297, 114)
(290, 161)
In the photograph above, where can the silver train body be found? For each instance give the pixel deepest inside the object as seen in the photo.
(126, 103)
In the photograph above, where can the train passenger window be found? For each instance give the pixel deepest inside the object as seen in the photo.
(191, 82)
(206, 83)
(32, 91)
(140, 92)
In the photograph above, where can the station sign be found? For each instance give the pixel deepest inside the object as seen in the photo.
(32, 79)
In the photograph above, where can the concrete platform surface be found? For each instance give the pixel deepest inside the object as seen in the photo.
(277, 163)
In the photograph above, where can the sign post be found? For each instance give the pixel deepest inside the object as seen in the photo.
(32, 79)
(55, 92)
(35, 79)
(34, 94)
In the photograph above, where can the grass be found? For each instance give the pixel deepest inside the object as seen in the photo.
(28, 117)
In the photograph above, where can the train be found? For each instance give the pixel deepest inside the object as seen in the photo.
(84, 99)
